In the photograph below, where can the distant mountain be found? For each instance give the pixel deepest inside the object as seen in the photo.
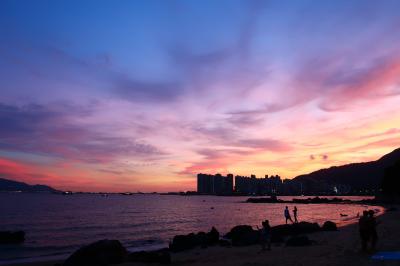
(10, 185)
(357, 176)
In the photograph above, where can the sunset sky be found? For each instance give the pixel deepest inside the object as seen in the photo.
(143, 95)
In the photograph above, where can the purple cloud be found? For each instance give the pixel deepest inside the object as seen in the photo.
(52, 131)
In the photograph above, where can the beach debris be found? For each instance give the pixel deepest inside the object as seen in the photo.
(386, 255)
(299, 241)
(343, 215)
(100, 253)
(12, 237)
(161, 256)
(329, 226)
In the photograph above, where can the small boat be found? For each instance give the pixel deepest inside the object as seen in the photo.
(343, 215)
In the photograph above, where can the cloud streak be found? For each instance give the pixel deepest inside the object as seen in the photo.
(53, 132)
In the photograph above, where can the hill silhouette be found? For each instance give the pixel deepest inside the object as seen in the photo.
(7, 185)
(357, 176)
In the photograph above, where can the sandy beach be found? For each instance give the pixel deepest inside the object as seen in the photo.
(331, 248)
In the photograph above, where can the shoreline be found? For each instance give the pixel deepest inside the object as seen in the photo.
(199, 256)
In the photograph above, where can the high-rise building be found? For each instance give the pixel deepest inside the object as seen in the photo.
(214, 184)
(258, 186)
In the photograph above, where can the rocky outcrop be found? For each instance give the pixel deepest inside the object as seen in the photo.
(185, 242)
(296, 228)
(272, 199)
(329, 226)
(9, 237)
(243, 235)
(315, 200)
(100, 253)
(161, 256)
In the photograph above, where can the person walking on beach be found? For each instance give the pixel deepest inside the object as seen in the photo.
(372, 223)
(295, 214)
(364, 229)
(287, 215)
(265, 237)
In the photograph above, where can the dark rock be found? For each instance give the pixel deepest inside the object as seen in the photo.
(224, 243)
(272, 199)
(100, 253)
(161, 256)
(329, 226)
(317, 200)
(9, 237)
(185, 242)
(243, 235)
(296, 229)
(298, 241)
(213, 236)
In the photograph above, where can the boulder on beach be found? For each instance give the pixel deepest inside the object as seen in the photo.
(213, 236)
(296, 228)
(161, 256)
(185, 242)
(100, 253)
(10, 237)
(243, 235)
(298, 241)
(224, 243)
(329, 226)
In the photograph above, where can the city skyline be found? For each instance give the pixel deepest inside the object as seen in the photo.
(143, 95)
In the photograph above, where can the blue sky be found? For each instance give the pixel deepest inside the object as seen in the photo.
(145, 94)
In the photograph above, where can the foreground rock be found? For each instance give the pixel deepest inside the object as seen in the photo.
(185, 242)
(329, 226)
(9, 237)
(243, 235)
(295, 229)
(100, 253)
(161, 256)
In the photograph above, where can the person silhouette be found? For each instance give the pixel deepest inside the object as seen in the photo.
(295, 214)
(372, 229)
(287, 215)
(364, 229)
(265, 236)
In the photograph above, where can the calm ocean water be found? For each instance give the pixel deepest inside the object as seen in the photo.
(56, 225)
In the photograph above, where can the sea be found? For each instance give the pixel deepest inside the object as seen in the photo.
(56, 225)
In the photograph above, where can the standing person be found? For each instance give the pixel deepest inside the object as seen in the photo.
(295, 214)
(287, 215)
(265, 237)
(372, 229)
(364, 228)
